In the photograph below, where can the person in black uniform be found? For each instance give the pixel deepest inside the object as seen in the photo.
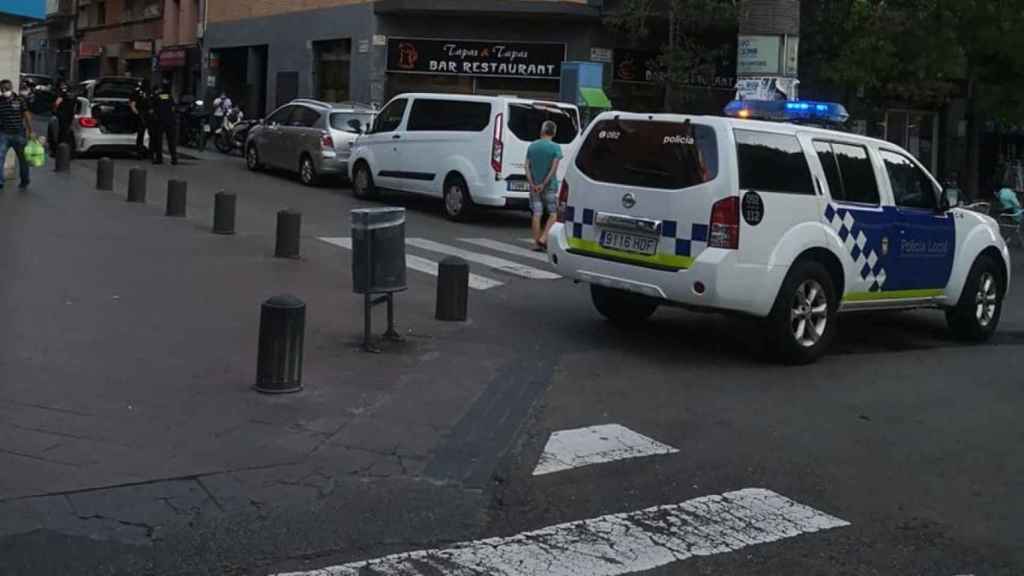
(165, 122)
(64, 109)
(140, 104)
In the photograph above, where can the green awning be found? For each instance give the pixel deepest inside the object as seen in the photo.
(595, 98)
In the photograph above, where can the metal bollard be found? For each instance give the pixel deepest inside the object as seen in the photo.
(279, 359)
(177, 195)
(288, 225)
(452, 289)
(63, 162)
(223, 213)
(105, 174)
(137, 185)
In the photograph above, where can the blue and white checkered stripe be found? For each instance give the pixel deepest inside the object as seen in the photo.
(865, 257)
(688, 245)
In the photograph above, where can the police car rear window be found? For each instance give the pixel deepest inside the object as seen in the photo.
(771, 162)
(649, 154)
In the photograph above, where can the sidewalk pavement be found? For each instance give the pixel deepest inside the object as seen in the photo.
(128, 428)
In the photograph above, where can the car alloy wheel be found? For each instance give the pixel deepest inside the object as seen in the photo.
(987, 299)
(306, 172)
(252, 159)
(809, 313)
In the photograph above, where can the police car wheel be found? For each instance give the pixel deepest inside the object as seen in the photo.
(621, 307)
(252, 158)
(977, 314)
(362, 182)
(803, 320)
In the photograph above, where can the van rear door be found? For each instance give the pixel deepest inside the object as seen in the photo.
(521, 126)
(642, 190)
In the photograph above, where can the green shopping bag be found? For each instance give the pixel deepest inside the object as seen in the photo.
(35, 153)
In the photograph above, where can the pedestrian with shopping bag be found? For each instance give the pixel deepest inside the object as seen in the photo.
(15, 130)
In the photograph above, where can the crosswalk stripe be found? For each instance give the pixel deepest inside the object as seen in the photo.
(507, 248)
(568, 449)
(476, 282)
(616, 544)
(494, 262)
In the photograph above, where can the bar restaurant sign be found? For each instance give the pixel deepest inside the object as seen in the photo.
(476, 58)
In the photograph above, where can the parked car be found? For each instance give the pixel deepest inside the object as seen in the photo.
(103, 120)
(782, 222)
(309, 137)
(468, 150)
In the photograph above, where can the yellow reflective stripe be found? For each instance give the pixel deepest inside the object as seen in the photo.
(664, 260)
(893, 295)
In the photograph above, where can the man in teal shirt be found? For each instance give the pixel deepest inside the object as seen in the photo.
(542, 159)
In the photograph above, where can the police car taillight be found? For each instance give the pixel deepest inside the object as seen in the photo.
(563, 200)
(724, 231)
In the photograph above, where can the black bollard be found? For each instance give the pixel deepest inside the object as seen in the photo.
(288, 225)
(452, 289)
(105, 174)
(282, 330)
(223, 213)
(177, 195)
(63, 162)
(137, 185)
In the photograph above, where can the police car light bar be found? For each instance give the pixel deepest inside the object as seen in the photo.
(788, 111)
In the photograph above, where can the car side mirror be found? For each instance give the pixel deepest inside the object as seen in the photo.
(356, 125)
(945, 203)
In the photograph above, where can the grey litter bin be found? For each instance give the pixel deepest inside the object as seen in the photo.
(378, 264)
(378, 247)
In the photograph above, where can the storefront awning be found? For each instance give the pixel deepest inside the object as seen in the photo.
(594, 98)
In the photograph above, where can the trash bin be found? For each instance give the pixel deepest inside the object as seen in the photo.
(378, 250)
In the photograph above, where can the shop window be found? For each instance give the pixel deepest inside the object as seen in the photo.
(333, 59)
(772, 163)
(449, 116)
(848, 169)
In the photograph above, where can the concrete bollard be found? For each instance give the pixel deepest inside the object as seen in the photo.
(452, 290)
(177, 197)
(105, 174)
(223, 213)
(282, 331)
(137, 185)
(63, 161)
(289, 224)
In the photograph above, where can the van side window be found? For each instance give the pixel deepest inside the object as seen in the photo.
(911, 187)
(649, 154)
(390, 118)
(851, 178)
(449, 116)
(524, 121)
(772, 163)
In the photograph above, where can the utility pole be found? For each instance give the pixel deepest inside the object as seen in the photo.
(767, 58)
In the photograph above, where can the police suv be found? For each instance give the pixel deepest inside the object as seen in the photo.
(786, 222)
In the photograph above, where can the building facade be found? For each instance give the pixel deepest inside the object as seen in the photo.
(14, 16)
(117, 37)
(266, 53)
(49, 44)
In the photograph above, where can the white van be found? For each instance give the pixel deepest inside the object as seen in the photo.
(468, 150)
(784, 222)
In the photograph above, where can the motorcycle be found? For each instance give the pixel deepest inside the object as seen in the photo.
(195, 123)
(233, 132)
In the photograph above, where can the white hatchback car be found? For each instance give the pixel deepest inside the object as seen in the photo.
(784, 222)
(103, 119)
(467, 150)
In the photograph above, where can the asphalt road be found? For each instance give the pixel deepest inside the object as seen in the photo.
(130, 442)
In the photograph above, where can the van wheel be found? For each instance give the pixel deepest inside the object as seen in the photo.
(252, 158)
(458, 206)
(307, 172)
(976, 316)
(803, 321)
(620, 307)
(362, 182)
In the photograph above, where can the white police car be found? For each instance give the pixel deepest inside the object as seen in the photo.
(786, 222)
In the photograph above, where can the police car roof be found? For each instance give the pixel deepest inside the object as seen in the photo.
(745, 124)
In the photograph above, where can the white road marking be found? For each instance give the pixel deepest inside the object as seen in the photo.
(616, 544)
(507, 248)
(568, 449)
(494, 262)
(424, 265)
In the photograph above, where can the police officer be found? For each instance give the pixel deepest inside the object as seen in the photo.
(64, 109)
(139, 101)
(165, 122)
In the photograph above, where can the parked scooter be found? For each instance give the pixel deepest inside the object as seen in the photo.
(194, 120)
(233, 132)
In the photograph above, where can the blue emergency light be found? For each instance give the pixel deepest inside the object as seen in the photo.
(800, 111)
